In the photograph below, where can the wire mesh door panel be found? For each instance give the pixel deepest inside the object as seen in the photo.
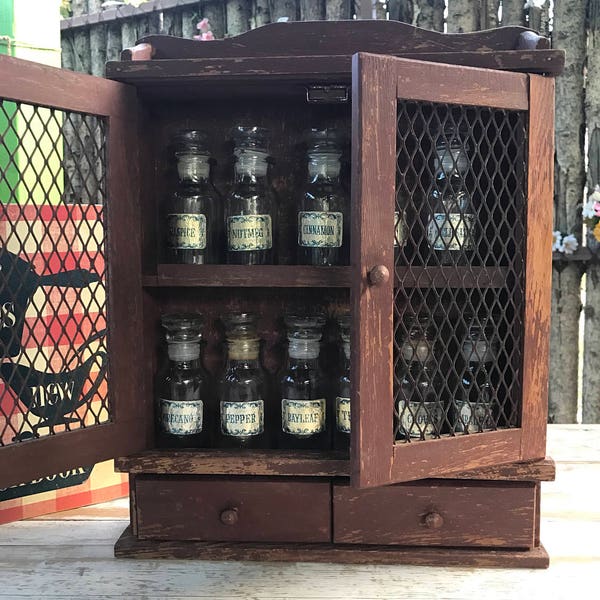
(446, 340)
(62, 134)
(53, 271)
(459, 264)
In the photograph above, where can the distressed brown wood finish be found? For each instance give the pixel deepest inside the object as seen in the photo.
(375, 454)
(46, 86)
(298, 67)
(249, 276)
(235, 462)
(373, 196)
(228, 510)
(343, 37)
(128, 546)
(445, 514)
(298, 463)
(538, 268)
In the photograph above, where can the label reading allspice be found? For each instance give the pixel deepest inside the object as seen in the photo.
(342, 414)
(320, 229)
(242, 419)
(186, 231)
(303, 417)
(181, 417)
(249, 232)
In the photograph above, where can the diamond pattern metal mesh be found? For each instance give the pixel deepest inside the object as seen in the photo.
(459, 268)
(52, 271)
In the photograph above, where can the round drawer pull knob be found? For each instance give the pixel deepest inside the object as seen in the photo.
(229, 516)
(379, 275)
(434, 520)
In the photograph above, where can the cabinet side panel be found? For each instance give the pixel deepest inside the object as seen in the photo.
(538, 268)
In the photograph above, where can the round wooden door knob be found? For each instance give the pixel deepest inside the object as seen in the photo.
(379, 275)
(434, 520)
(229, 516)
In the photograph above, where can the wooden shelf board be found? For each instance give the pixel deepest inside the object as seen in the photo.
(305, 276)
(216, 461)
(296, 463)
(248, 276)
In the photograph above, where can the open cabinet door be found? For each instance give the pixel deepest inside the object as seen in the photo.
(452, 223)
(70, 289)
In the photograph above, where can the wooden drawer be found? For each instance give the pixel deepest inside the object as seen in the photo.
(229, 510)
(436, 514)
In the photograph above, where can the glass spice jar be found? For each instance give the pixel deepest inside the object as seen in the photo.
(474, 408)
(193, 212)
(420, 408)
(323, 214)
(242, 389)
(342, 400)
(184, 408)
(249, 214)
(451, 227)
(305, 413)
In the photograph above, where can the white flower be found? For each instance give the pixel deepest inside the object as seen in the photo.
(557, 241)
(569, 244)
(587, 212)
(535, 3)
(595, 195)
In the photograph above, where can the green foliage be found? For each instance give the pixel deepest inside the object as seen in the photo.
(65, 9)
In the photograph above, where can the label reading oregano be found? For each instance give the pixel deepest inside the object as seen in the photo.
(249, 232)
(303, 417)
(181, 417)
(320, 229)
(187, 231)
(242, 419)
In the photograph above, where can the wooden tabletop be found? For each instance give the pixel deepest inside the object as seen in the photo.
(70, 555)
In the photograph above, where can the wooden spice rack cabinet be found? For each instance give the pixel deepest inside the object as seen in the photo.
(468, 499)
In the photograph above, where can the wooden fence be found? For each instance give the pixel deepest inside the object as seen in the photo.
(94, 35)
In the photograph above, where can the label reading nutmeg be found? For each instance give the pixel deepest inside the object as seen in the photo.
(249, 232)
(303, 417)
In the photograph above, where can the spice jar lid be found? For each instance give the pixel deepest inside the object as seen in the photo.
(251, 138)
(190, 140)
(327, 139)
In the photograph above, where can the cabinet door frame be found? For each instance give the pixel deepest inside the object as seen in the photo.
(127, 431)
(378, 82)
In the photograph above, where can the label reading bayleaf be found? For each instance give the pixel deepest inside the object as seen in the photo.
(303, 417)
(187, 231)
(320, 229)
(249, 232)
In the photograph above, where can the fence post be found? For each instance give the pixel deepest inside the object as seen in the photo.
(513, 12)
(336, 10)
(569, 20)
(591, 352)
(463, 16)
(430, 14)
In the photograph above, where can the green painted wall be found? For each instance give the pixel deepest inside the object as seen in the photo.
(8, 126)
